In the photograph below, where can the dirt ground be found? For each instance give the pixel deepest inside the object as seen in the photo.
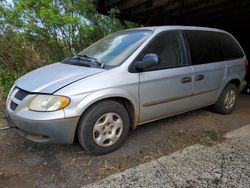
(27, 164)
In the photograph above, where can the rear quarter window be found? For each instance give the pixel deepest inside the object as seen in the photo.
(231, 48)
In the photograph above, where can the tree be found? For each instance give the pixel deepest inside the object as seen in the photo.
(37, 32)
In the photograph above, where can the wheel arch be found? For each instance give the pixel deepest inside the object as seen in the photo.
(236, 81)
(122, 96)
(123, 101)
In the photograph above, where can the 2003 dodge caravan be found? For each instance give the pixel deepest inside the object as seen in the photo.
(128, 78)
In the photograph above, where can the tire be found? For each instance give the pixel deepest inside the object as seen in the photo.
(104, 127)
(223, 105)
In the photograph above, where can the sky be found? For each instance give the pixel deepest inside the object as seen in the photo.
(9, 2)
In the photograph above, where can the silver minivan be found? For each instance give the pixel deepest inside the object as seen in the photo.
(126, 79)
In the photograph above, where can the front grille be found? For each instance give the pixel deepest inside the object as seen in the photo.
(17, 97)
(21, 94)
(13, 106)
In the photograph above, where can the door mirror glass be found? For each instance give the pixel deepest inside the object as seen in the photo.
(148, 61)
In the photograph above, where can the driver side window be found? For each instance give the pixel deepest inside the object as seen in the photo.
(168, 47)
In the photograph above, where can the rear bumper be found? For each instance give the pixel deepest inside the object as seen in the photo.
(60, 131)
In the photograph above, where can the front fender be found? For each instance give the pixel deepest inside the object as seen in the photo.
(96, 96)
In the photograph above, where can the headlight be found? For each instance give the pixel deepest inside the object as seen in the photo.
(48, 103)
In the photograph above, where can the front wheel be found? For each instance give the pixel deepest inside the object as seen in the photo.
(104, 127)
(227, 99)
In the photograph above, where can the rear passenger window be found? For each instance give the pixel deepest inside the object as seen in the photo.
(230, 47)
(204, 47)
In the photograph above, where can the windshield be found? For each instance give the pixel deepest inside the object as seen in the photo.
(114, 49)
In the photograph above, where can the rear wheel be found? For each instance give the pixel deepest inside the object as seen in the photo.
(104, 127)
(227, 100)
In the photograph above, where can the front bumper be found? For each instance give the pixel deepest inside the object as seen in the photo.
(60, 131)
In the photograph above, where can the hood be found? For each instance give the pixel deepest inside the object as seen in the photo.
(50, 78)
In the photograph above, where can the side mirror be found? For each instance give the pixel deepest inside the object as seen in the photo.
(148, 61)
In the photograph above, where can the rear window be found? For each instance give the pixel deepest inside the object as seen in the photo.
(231, 49)
(204, 47)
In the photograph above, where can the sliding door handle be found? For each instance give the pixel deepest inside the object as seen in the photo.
(186, 79)
(199, 77)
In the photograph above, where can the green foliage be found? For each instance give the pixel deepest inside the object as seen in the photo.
(17, 56)
(37, 32)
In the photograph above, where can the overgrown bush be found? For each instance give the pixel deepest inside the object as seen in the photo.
(18, 56)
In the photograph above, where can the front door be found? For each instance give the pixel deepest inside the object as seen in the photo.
(166, 89)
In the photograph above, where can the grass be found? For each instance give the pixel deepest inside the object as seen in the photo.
(2, 102)
(210, 137)
(212, 134)
(2, 115)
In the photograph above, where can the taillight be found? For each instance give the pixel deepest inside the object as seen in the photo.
(246, 65)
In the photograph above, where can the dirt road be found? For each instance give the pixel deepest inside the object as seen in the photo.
(27, 164)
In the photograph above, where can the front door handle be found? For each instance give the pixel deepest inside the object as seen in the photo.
(186, 79)
(199, 77)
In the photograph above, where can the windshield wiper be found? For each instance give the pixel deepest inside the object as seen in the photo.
(92, 59)
(76, 61)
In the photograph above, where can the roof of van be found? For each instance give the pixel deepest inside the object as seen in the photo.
(179, 28)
